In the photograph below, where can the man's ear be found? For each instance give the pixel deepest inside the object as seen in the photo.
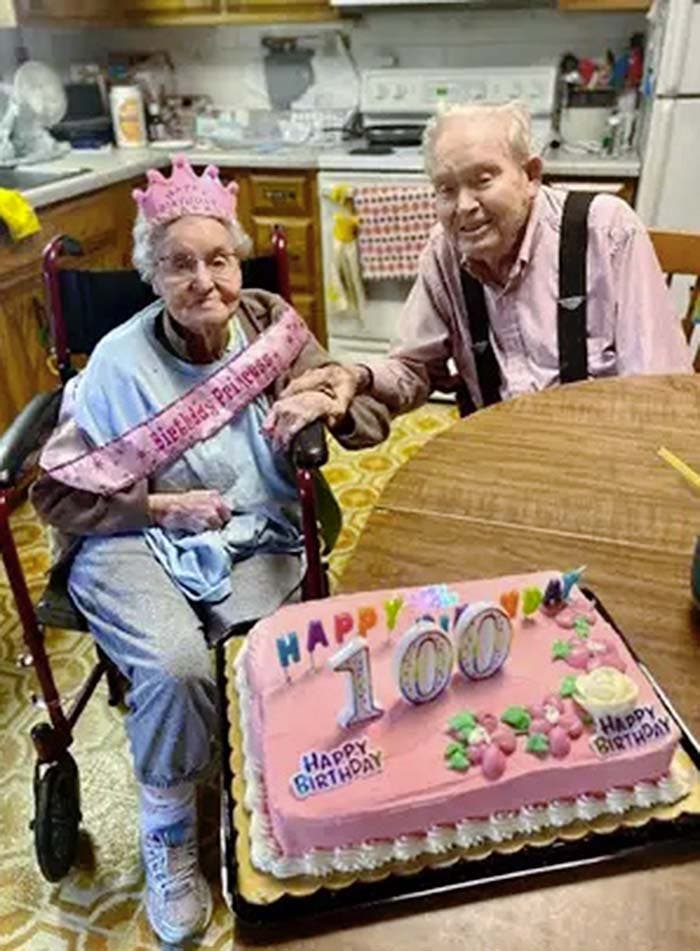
(533, 168)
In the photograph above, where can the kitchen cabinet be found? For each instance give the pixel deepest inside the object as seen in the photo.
(601, 6)
(185, 11)
(52, 11)
(279, 10)
(102, 222)
(171, 12)
(269, 198)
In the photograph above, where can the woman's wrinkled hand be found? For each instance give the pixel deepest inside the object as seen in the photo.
(289, 414)
(194, 511)
(336, 381)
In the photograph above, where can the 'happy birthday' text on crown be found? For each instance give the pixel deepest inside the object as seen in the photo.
(186, 193)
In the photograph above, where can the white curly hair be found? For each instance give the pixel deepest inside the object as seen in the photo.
(148, 237)
(514, 116)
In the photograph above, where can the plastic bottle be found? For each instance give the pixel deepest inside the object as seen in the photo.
(128, 116)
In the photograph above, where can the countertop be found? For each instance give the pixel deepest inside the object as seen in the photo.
(102, 169)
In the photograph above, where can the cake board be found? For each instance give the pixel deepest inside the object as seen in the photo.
(619, 842)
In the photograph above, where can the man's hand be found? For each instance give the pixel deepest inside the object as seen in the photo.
(341, 383)
(324, 393)
(194, 511)
(289, 414)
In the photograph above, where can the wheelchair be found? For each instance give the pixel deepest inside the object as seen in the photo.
(83, 306)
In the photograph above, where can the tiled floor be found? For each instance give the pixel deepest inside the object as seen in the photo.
(98, 907)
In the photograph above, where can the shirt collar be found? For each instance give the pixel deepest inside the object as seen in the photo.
(525, 250)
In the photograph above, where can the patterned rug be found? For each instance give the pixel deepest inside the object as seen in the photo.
(98, 906)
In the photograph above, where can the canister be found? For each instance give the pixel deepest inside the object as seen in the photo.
(128, 116)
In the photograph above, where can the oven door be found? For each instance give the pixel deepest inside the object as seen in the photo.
(364, 333)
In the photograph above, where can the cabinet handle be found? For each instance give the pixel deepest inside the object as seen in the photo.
(279, 194)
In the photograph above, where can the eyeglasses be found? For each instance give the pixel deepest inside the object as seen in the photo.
(185, 267)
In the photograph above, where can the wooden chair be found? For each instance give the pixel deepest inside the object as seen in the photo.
(679, 254)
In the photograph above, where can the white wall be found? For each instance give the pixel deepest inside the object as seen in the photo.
(221, 61)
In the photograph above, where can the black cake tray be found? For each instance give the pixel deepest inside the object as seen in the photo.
(656, 841)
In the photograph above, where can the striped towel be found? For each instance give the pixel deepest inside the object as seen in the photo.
(395, 221)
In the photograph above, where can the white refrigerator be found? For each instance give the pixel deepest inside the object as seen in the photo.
(669, 187)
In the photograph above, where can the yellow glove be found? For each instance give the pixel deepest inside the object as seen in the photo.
(340, 194)
(345, 227)
(18, 214)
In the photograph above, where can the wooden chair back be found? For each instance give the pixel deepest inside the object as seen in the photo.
(679, 254)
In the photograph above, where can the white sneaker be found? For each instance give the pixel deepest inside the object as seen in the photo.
(178, 898)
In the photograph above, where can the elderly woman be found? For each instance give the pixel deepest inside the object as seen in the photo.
(180, 506)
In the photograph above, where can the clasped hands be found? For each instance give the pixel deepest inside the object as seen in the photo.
(324, 393)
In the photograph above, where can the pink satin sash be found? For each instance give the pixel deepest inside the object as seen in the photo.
(194, 417)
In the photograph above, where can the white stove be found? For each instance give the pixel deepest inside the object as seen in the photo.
(406, 98)
(391, 98)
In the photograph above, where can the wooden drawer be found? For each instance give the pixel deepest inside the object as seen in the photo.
(280, 194)
(93, 219)
(88, 219)
(300, 245)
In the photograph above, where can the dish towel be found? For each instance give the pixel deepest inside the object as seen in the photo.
(18, 214)
(395, 222)
(346, 293)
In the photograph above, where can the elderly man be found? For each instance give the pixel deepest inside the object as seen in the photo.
(518, 288)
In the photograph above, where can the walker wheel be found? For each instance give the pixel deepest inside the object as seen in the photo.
(57, 816)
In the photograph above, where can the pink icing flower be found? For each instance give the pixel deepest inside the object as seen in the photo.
(490, 743)
(593, 652)
(551, 719)
(574, 609)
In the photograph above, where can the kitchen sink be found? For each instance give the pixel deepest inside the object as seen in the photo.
(24, 179)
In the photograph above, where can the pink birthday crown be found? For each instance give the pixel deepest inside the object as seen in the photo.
(186, 193)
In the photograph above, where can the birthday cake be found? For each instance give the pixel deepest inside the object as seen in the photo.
(383, 726)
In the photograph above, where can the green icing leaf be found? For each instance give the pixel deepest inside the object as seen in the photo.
(560, 650)
(462, 723)
(453, 748)
(538, 744)
(532, 599)
(568, 686)
(582, 627)
(459, 761)
(518, 718)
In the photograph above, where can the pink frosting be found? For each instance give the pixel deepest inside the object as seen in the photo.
(415, 789)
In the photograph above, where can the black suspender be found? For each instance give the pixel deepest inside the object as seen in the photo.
(487, 371)
(571, 306)
(571, 310)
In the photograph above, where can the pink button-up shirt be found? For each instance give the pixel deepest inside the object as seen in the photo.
(632, 326)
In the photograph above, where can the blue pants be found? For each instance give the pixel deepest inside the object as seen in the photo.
(156, 638)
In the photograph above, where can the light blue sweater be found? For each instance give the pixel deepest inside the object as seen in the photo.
(130, 376)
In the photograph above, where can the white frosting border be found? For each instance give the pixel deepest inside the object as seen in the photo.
(266, 854)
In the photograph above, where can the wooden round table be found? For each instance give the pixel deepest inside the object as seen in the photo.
(555, 480)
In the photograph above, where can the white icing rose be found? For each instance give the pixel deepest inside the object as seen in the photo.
(606, 690)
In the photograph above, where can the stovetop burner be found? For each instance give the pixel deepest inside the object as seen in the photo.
(372, 149)
(397, 133)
